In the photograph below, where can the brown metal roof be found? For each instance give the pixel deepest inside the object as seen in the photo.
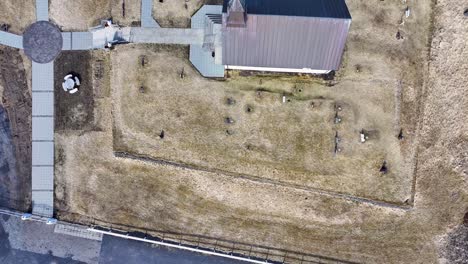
(286, 42)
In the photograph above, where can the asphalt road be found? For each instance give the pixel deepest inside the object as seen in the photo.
(121, 251)
(34, 242)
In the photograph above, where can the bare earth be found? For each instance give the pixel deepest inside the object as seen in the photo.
(15, 92)
(270, 178)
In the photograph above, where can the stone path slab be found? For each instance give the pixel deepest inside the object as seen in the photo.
(43, 139)
(11, 40)
(147, 19)
(182, 36)
(77, 40)
(42, 10)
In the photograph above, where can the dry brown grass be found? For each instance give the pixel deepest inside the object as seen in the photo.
(79, 15)
(19, 14)
(291, 142)
(175, 13)
(132, 12)
(92, 182)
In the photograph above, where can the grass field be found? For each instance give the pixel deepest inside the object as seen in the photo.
(260, 182)
(291, 142)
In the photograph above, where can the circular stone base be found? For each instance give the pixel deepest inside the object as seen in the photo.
(42, 41)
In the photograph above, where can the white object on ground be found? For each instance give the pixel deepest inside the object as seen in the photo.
(73, 91)
(26, 216)
(363, 137)
(407, 12)
(51, 221)
(70, 83)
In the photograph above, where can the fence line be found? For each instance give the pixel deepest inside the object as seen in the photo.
(195, 243)
(258, 179)
(222, 246)
(203, 251)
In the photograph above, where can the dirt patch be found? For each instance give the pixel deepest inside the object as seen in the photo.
(16, 100)
(456, 245)
(74, 111)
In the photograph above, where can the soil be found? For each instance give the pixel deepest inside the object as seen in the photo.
(16, 100)
(74, 111)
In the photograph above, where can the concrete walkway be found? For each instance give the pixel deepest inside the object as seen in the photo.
(183, 36)
(147, 19)
(42, 171)
(104, 35)
(42, 10)
(77, 40)
(11, 40)
(43, 139)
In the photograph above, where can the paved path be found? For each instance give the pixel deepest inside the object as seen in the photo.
(11, 40)
(43, 139)
(200, 57)
(112, 34)
(42, 10)
(77, 40)
(42, 173)
(146, 18)
(183, 36)
(103, 35)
